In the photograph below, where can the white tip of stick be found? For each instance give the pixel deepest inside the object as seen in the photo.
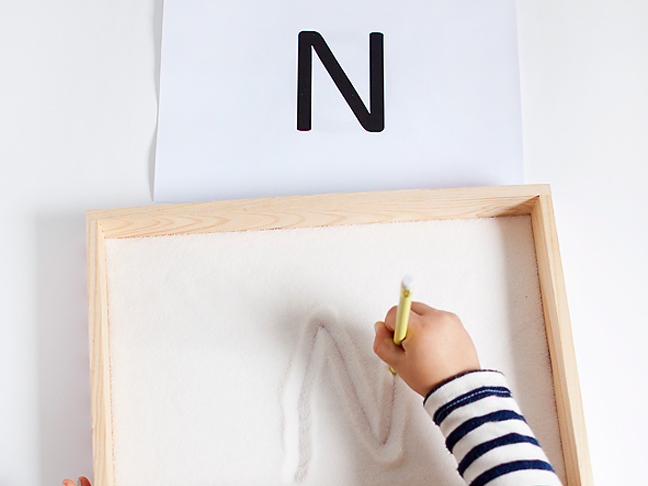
(407, 282)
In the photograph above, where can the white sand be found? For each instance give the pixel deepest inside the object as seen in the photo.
(246, 358)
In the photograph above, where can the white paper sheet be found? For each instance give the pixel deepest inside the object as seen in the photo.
(228, 100)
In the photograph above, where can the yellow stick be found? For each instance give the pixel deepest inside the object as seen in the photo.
(403, 312)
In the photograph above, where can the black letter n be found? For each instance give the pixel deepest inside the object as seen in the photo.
(373, 121)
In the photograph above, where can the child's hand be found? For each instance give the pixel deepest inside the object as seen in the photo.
(82, 481)
(437, 347)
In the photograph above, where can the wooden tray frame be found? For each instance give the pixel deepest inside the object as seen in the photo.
(333, 210)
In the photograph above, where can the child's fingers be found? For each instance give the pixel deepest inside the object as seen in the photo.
(414, 325)
(83, 481)
(417, 308)
(414, 319)
(421, 309)
(390, 318)
(384, 346)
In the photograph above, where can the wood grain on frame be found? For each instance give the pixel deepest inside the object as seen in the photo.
(100, 386)
(319, 210)
(571, 422)
(334, 210)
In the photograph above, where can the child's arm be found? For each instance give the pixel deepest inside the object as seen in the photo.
(479, 419)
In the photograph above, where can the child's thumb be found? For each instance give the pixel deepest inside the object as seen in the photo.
(384, 346)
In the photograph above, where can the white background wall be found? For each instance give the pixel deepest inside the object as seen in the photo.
(78, 108)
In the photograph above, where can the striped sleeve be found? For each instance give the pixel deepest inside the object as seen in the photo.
(486, 432)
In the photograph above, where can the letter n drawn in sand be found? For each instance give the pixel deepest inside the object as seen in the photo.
(374, 408)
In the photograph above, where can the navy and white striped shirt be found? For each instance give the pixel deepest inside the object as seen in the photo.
(486, 432)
